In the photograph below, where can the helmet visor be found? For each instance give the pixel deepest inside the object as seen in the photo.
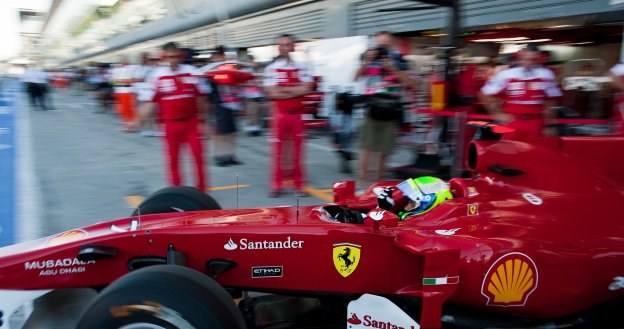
(410, 190)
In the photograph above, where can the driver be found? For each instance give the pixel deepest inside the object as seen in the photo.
(415, 196)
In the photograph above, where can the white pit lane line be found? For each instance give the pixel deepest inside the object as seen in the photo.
(28, 197)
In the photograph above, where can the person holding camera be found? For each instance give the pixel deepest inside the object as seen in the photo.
(617, 74)
(385, 74)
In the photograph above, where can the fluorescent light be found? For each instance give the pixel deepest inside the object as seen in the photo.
(562, 26)
(501, 39)
(529, 41)
(539, 40)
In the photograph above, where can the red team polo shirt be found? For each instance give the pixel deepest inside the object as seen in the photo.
(523, 90)
(284, 72)
(175, 92)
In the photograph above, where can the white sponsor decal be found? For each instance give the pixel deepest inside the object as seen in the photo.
(267, 271)
(447, 232)
(377, 215)
(230, 245)
(58, 266)
(371, 311)
(532, 199)
(246, 244)
(617, 284)
(134, 225)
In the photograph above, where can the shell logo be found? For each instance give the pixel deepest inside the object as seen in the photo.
(510, 280)
(66, 237)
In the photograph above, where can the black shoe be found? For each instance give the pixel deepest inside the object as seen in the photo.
(345, 168)
(222, 161)
(234, 161)
(275, 193)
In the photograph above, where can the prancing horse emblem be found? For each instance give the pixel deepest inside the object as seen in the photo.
(346, 257)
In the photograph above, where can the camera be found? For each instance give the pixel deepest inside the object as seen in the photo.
(382, 52)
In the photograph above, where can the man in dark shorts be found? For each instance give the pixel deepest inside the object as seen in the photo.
(225, 105)
(377, 135)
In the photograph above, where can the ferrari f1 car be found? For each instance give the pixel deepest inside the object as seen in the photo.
(532, 239)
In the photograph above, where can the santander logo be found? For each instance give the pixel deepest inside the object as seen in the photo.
(230, 245)
(354, 319)
(371, 322)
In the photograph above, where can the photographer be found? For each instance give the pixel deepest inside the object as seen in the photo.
(385, 74)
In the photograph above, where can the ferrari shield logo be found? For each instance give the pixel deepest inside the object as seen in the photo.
(346, 257)
(473, 209)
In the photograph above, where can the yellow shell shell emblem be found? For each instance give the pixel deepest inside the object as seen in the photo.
(346, 257)
(510, 280)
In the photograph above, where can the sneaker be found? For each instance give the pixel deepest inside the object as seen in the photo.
(234, 161)
(147, 133)
(158, 133)
(275, 193)
(221, 161)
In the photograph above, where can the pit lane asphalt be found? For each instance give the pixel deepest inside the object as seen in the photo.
(85, 170)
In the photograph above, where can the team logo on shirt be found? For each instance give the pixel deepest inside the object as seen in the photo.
(166, 85)
(536, 85)
(189, 80)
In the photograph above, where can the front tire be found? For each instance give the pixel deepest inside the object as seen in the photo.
(163, 297)
(176, 199)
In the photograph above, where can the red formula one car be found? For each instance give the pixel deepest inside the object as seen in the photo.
(532, 239)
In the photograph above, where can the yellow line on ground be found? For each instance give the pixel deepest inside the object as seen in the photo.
(134, 200)
(227, 187)
(318, 193)
(327, 190)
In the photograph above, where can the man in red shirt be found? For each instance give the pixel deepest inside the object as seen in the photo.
(617, 74)
(286, 82)
(526, 92)
(179, 96)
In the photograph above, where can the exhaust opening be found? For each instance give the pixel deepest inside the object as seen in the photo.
(471, 159)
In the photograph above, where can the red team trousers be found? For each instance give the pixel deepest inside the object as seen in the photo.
(176, 134)
(288, 133)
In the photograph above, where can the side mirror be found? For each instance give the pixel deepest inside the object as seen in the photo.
(344, 191)
(380, 217)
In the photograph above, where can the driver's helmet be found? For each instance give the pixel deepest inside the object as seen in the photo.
(427, 192)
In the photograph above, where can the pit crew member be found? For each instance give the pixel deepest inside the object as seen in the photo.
(526, 92)
(122, 77)
(179, 96)
(617, 74)
(286, 82)
(414, 196)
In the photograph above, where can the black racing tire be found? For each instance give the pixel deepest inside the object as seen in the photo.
(176, 199)
(163, 296)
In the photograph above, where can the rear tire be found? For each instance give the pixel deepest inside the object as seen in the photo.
(176, 199)
(163, 297)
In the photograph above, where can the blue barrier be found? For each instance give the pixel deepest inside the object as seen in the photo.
(7, 162)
